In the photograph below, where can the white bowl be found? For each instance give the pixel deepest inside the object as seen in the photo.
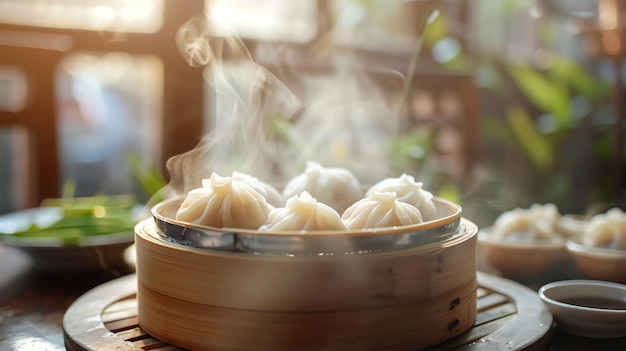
(588, 308)
(516, 258)
(598, 263)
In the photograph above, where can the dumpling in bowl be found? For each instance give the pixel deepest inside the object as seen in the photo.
(304, 212)
(380, 210)
(409, 191)
(335, 187)
(222, 202)
(536, 222)
(607, 230)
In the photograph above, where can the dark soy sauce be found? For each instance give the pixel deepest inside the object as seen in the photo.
(596, 302)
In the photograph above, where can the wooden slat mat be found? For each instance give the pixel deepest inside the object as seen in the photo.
(510, 317)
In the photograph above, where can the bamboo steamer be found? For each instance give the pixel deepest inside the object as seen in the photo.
(202, 299)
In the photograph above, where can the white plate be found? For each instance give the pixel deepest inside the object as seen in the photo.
(588, 308)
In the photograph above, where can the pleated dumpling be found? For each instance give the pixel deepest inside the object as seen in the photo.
(335, 187)
(270, 193)
(223, 202)
(607, 230)
(380, 210)
(537, 222)
(304, 212)
(409, 191)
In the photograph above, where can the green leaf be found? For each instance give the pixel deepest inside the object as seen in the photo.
(450, 192)
(582, 82)
(60, 233)
(417, 138)
(558, 186)
(149, 177)
(497, 129)
(459, 63)
(602, 147)
(536, 147)
(68, 188)
(281, 127)
(547, 93)
(435, 30)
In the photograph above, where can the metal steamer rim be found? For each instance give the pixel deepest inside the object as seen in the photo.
(312, 243)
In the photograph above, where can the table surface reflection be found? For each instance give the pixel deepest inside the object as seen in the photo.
(32, 305)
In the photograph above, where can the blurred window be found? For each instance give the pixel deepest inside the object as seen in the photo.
(12, 89)
(129, 16)
(104, 93)
(13, 169)
(109, 110)
(368, 24)
(274, 20)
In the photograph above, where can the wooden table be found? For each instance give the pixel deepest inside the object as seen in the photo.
(32, 306)
(32, 303)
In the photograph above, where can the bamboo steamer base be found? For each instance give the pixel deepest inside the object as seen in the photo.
(206, 300)
(399, 328)
(509, 317)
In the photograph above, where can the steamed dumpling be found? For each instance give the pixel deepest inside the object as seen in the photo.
(271, 195)
(304, 212)
(380, 210)
(335, 187)
(536, 222)
(223, 202)
(409, 191)
(607, 230)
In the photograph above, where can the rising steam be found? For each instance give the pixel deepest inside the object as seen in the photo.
(337, 116)
(246, 97)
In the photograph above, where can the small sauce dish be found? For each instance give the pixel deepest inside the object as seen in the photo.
(588, 308)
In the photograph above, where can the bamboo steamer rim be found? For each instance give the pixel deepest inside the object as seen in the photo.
(453, 212)
(146, 231)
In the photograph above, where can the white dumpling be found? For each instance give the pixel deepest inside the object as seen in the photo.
(511, 222)
(380, 210)
(304, 212)
(607, 230)
(536, 222)
(222, 202)
(335, 187)
(409, 191)
(271, 195)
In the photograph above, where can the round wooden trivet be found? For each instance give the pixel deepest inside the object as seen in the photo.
(510, 316)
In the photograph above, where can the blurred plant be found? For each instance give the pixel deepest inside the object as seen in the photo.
(542, 141)
(150, 178)
(541, 137)
(71, 219)
(100, 214)
(552, 141)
